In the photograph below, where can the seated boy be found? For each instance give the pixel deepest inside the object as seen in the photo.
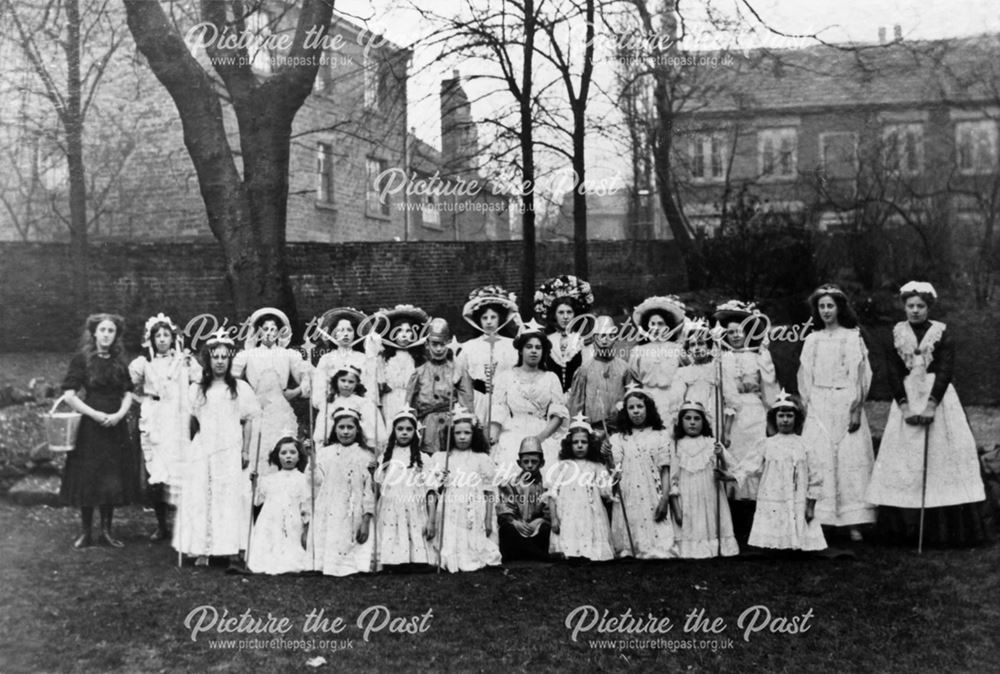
(522, 511)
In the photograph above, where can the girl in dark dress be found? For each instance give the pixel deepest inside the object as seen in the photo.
(105, 469)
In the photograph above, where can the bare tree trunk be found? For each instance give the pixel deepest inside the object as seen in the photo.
(73, 124)
(246, 214)
(525, 103)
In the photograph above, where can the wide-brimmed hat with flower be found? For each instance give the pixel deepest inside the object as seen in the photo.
(257, 317)
(734, 311)
(490, 296)
(670, 305)
(328, 321)
(403, 313)
(565, 287)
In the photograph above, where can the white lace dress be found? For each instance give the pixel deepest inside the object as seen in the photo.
(704, 508)
(640, 456)
(789, 474)
(834, 374)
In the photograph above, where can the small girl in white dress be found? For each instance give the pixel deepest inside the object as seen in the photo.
(401, 514)
(704, 524)
(640, 454)
(463, 522)
(791, 481)
(278, 544)
(579, 487)
(345, 499)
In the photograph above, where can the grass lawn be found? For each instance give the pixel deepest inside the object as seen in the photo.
(124, 610)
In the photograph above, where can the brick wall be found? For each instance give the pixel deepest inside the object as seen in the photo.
(185, 279)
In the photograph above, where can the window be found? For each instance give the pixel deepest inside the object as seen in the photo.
(976, 146)
(378, 78)
(903, 148)
(430, 214)
(838, 154)
(776, 149)
(708, 157)
(371, 82)
(324, 173)
(376, 202)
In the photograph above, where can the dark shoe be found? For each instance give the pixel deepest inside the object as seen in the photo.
(107, 539)
(84, 541)
(160, 534)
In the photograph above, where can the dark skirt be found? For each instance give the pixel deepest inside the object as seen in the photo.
(106, 468)
(960, 525)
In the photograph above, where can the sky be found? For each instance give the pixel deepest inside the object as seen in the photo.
(832, 20)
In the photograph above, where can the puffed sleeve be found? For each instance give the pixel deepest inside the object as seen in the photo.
(617, 449)
(194, 369)
(895, 367)
(319, 382)
(195, 400)
(239, 366)
(263, 485)
(731, 403)
(305, 500)
(137, 371)
(805, 375)
(814, 490)
(500, 412)
(663, 453)
(368, 492)
(487, 472)
(435, 472)
(864, 367)
(301, 371)
(634, 373)
(752, 464)
(768, 376)
(247, 401)
(943, 365)
(463, 388)
(577, 400)
(557, 398)
(76, 374)
(603, 483)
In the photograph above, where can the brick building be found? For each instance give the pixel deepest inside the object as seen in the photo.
(347, 137)
(899, 138)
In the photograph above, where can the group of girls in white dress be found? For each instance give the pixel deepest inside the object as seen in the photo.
(653, 456)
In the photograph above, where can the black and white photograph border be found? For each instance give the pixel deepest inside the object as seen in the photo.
(482, 335)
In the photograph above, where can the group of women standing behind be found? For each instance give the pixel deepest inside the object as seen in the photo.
(419, 455)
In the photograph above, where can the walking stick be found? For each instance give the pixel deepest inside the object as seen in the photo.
(309, 346)
(489, 395)
(378, 500)
(719, 430)
(253, 493)
(923, 494)
(621, 499)
(447, 456)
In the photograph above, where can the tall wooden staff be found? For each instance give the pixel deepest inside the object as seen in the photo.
(378, 501)
(720, 431)
(447, 456)
(253, 492)
(489, 384)
(621, 498)
(308, 345)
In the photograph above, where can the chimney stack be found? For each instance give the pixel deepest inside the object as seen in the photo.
(897, 33)
(881, 34)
